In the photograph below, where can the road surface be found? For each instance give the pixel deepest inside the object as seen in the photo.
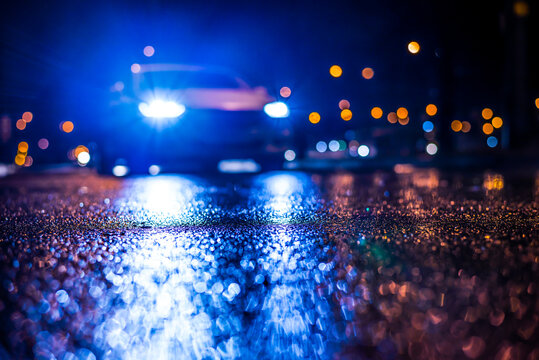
(407, 264)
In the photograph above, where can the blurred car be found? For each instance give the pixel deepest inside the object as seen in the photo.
(176, 117)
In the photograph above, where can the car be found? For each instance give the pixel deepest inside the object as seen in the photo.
(174, 117)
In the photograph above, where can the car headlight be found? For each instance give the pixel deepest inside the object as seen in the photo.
(161, 109)
(277, 109)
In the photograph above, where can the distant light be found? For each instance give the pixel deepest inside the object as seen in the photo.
(497, 122)
(148, 51)
(367, 73)
(28, 161)
(466, 126)
(392, 117)
(118, 86)
(79, 149)
(334, 145)
(314, 117)
(27, 116)
(537, 103)
(363, 150)
(428, 126)
(4, 170)
(120, 170)
(346, 115)
(20, 124)
(456, 125)
(22, 147)
(277, 109)
(492, 141)
(487, 113)
(413, 47)
(154, 170)
(344, 104)
(335, 71)
(376, 112)
(135, 68)
(67, 126)
(19, 159)
(431, 110)
(285, 91)
(161, 109)
(289, 155)
(488, 128)
(43, 143)
(342, 145)
(83, 158)
(238, 166)
(521, 8)
(321, 146)
(404, 121)
(402, 113)
(431, 149)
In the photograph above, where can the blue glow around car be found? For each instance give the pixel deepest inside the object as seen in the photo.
(277, 109)
(161, 109)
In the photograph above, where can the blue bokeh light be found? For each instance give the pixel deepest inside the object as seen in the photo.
(428, 126)
(492, 141)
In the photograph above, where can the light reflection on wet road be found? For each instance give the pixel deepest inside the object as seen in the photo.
(275, 266)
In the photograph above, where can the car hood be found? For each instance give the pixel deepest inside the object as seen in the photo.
(217, 99)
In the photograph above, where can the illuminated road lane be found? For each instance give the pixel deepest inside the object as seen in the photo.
(411, 264)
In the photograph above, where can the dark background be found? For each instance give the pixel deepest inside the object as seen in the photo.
(60, 58)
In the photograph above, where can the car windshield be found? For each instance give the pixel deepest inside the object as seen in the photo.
(186, 80)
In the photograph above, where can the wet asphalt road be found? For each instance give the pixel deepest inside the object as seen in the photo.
(406, 264)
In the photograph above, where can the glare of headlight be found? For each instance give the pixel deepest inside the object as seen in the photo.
(277, 109)
(160, 109)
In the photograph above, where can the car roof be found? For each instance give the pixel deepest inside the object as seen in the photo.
(191, 68)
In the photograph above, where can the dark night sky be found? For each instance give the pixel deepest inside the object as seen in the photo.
(61, 55)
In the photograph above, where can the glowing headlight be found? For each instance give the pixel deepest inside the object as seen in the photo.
(161, 109)
(277, 109)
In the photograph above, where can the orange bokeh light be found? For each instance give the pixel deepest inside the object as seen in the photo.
(22, 147)
(376, 112)
(456, 125)
(466, 127)
(431, 110)
(79, 149)
(19, 159)
(67, 126)
(346, 115)
(367, 73)
(335, 71)
(488, 128)
(20, 124)
(27, 116)
(487, 113)
(413, 47)
(314, 117)
(402, 113)
(497, 122)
